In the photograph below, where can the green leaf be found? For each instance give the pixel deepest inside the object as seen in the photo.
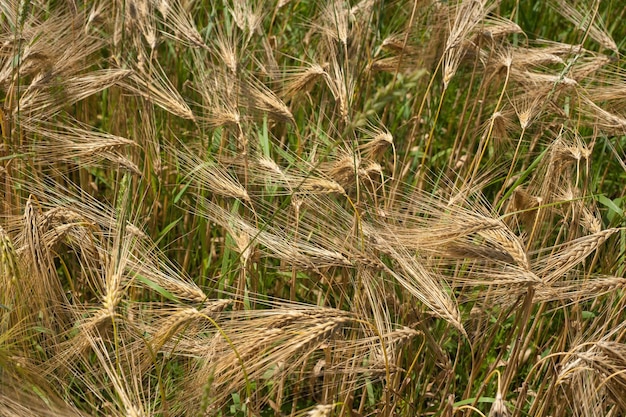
(264, 139)
(181, 192)
(488, 400)
(169, 227)
(43, 330)
(370, 391)
(40, 394)
(156, 287)
(614, 209)
(588, 315)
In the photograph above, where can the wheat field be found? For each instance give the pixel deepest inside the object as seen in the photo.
(312, 208)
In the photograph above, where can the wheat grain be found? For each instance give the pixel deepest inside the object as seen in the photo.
(555, 265)
(586, 20)
(301, 81)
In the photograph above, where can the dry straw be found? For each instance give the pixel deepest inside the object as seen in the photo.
(424, 183)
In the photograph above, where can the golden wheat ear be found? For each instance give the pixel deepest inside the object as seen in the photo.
(40, 400)
(465, 18)
(586, 20)
(209, 174)
(262, 101)
(179, 25)
(564, 257)
(376, 141)
(301, 79)
(76, 144)
(153, 85)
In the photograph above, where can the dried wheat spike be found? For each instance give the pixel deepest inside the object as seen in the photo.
(212, 176)
(320, 410)
(113, 293)
(578, 291)
(465, 17)
(376, 145)
(498, 408)
(604, 361)
(510, 243)
(180, 24)
(425, 286)
(158, 89)
(302, 81)
(572, 253)
(168, 328)
(262, 100)
(581, 20)
(9, 266)
(96, 323)
(184, 290)
(609, 121)
(319, 185)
